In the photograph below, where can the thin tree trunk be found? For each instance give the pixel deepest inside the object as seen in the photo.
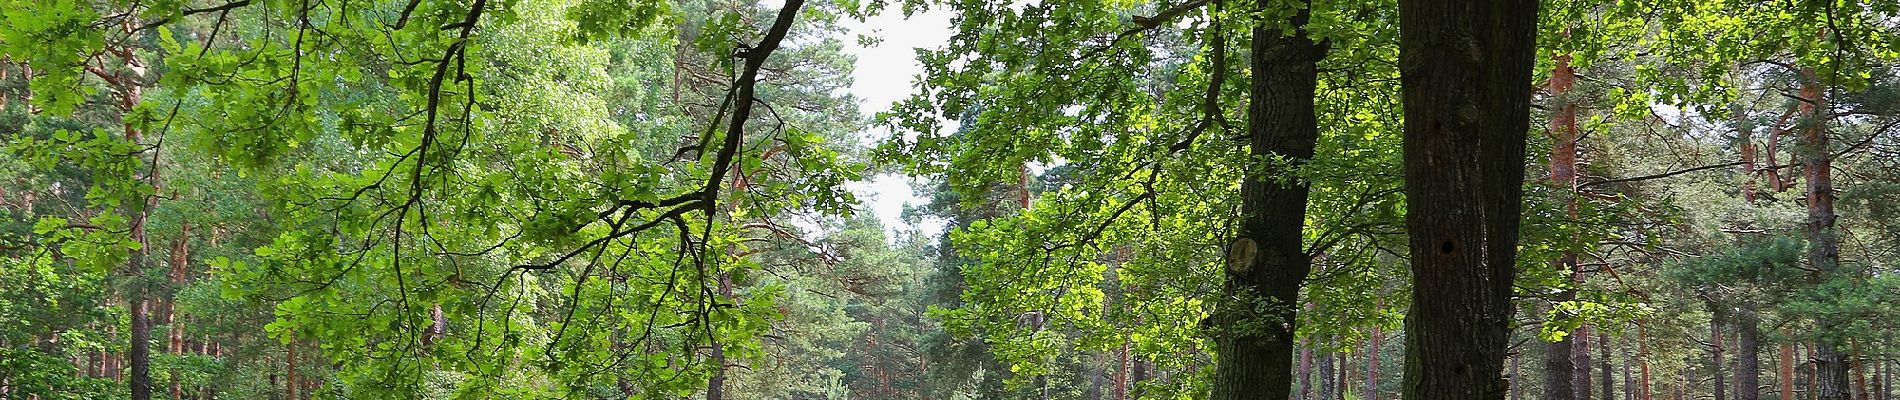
(290, 371)
(1824, 252)
(1559, 366)
(1747, 352)
(1785, 372)
(1326, 377)
(1642, 359)
(1306, 366)
(1629, 386)
(1563, 179)
(1372, 361)
(1608, 381)
(1716, 316)
(1268, 262)
(1464, 68)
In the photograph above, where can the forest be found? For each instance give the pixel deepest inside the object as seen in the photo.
(950, 199)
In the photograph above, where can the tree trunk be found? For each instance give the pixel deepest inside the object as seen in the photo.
(1563, 180)
(1629, 386)
(1326, 378)
(1785, 371)
(1747, 352)
(290, 371)
(180, 260)
(1517, 391)
(1603, 343)
(1306, 367)
(1642, 360)
(1824, 248)
(1559, 366)
(1716, 316)
(1268, 262)
(1464, 68)
(1372, 362)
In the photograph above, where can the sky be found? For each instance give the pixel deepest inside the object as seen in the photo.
(883, 75)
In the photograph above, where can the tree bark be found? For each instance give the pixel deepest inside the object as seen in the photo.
(1268, 263)
(1558, 368)
(1306, 366)
(1747, 352)
(1327, 378)
(1464, 68)
(1517, 390)
(1563, 180)
(1785, 372)
(1716, 316)
(1824, 247)
(1372, 362)
(1604, 367)
(1642, 360)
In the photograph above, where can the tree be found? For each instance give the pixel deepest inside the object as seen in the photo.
(1466, 67)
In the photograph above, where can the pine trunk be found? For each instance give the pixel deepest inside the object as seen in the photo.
(1464, 67)
(1785, 371)
(1824, 248)
(1747, 352)
(1603, 356)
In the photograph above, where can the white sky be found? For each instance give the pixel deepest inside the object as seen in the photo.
(883, 75)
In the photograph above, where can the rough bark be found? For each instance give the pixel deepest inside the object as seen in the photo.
(1747, 352)
(1558, 368)
(1517, 390)
(1464, 67)
(1268, 262)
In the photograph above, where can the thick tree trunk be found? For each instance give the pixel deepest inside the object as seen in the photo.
(1747, 352)
(1558, 368)
(1465, 67)
(1517, 390)
(1268, 262)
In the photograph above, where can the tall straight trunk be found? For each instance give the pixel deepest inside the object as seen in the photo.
(180, 260)
(1785, 371)
(1860, 374)
(1629, 386)
(1517, 390)
(1326, 378)
(1715, 350)
(1747, 352)
(1563, 180)
(1268, 262)
(1603, 363)
(1464, 66)
(290, 371)
(1558, 367)
(1372, 362)
(1642, 360)
(1824, 247)
(1306, 366)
